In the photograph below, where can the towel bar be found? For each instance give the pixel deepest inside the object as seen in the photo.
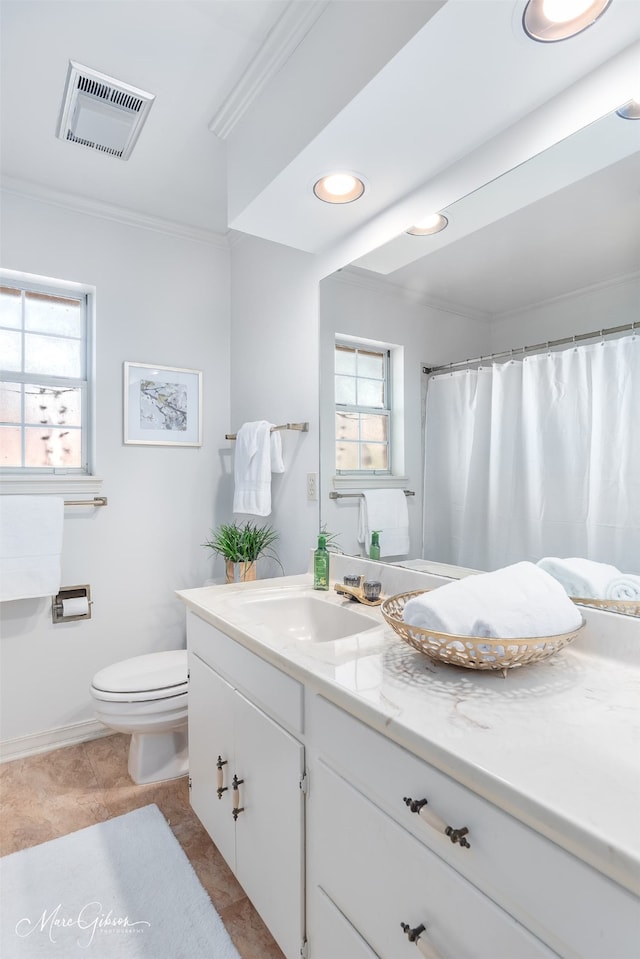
(335, 495)
(301, 427)
(96, 501)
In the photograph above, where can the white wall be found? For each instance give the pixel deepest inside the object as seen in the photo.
(373, 309)
(274, 377)
(160, 299)
(596, 308)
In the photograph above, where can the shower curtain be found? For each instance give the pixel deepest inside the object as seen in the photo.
(536, 457)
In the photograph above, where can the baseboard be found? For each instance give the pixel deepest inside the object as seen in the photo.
(50, 739)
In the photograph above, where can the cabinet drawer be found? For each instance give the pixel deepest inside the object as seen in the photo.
(572, 907)
(334, 937)
(379, 876)
(278, 694)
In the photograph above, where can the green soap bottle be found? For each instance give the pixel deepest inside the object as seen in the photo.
(321, 565)
(374, 549)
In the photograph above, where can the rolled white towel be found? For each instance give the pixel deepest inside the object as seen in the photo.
(624, 587)
(517, 601)
(580, 577)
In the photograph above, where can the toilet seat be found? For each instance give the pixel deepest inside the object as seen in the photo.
(148, 678)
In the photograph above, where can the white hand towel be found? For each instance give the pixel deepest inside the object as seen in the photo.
(258, 453)
(624, 587)
(385, 510)
(580, 577)
(517, 601)
(277, 463)
(30, 546)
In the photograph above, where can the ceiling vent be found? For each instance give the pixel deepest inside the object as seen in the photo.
(102, 113)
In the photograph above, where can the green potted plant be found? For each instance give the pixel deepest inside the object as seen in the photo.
(240, 544)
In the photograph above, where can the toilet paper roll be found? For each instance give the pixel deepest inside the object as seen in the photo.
(77, 606)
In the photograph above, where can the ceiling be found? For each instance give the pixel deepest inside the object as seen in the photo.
(428, 99)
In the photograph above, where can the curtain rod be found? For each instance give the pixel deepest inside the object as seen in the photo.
(531, 349)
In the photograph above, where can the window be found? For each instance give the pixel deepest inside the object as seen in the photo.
(44, 388)
(363, 408)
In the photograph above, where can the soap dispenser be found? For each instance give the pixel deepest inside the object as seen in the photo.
(321, 565)
(374, 549)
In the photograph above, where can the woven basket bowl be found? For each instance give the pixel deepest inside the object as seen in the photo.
(473, 652)
(629, 606)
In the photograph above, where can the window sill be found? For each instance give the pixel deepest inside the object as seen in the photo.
(70, 485)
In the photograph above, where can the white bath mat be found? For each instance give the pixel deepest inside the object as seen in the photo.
(122, 889)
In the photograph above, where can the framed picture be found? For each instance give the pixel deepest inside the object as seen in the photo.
(162, 405)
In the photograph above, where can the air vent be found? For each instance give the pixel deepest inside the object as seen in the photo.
(102, 113)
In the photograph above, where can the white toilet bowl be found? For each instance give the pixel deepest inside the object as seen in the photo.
(146, 696)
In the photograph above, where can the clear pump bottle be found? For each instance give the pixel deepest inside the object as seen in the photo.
(321, 565)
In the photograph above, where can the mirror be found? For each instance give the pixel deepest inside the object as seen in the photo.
(549, 250)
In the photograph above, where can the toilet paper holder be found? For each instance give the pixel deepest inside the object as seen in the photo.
(74, 610)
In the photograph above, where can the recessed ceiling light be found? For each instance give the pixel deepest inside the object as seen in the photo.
(551, 20)
(339, 188)
(630, 110)
(430, 224)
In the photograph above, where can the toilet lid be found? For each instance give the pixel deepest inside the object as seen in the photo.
(141, 674)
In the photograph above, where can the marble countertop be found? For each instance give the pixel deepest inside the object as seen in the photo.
(555, 744)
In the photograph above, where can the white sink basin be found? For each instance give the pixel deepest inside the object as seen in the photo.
(306, 617)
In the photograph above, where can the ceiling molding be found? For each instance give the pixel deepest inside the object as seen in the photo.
(613, 281)
(375, 284)
(288, 32)
(107, 211)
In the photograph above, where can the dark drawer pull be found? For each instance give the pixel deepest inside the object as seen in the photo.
(423, 945)
(432, 819)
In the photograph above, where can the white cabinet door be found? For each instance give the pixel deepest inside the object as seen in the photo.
(211, 735)
(270, 829)
(263, 844)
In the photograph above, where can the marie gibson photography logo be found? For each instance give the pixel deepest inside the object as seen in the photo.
(90, 920)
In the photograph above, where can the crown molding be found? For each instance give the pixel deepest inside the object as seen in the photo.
(285, 36)
(375, 284)
(107, 211)
(613, 281)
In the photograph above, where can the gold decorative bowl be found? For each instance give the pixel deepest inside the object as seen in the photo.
(629, 606)
(473, 652)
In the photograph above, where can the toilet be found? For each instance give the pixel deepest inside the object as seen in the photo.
(147, 697)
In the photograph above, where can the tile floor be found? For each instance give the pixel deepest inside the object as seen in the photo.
(52, 794)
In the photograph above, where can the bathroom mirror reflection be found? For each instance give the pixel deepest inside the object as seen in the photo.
(549, 251)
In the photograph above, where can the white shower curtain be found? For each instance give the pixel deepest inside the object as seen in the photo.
(536, 457)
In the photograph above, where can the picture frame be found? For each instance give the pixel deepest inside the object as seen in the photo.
(162, 405)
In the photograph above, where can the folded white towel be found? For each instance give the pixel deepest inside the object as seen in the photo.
(517, 601)
(385, 510)
(583, 578)
(624, 587)
(258, 454)
(30, 546)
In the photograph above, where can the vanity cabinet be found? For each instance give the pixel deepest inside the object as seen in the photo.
(509, 893)
(352, 840)
(246, 777)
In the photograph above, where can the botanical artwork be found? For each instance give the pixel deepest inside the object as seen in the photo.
(163, 406)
